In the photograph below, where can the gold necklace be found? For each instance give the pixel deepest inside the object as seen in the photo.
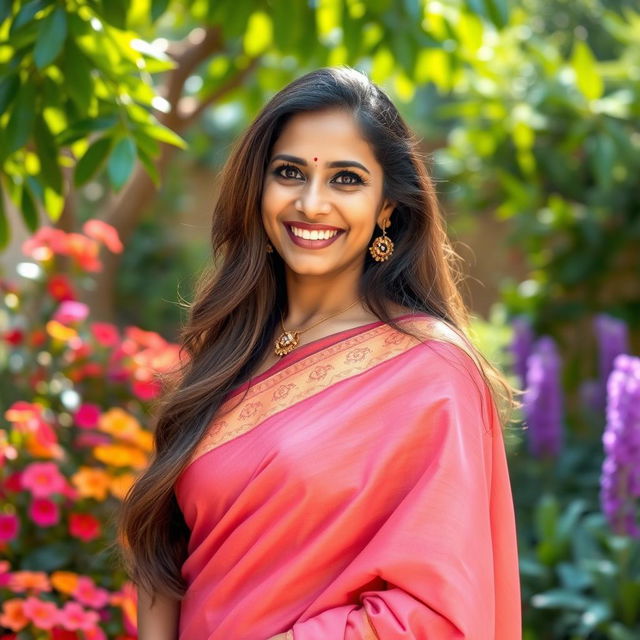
(288, 340)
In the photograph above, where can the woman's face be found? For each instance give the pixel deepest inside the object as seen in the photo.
(322, 175)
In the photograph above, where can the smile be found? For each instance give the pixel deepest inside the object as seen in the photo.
(312, 239)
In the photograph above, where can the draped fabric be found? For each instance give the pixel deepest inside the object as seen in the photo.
(358, 489)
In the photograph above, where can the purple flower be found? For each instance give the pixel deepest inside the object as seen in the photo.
(613, 339)
(542, 403)
(521, 346)
(620, 477)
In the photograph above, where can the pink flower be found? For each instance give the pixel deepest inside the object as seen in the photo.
(105, 233)
(105, 334)
(44, 615)
(9, 527)
(88, 594)
(43, 479)
(45, 242)
(86, 417)
(44, 512)
(70, 311)
(84, 526)
(145, 389)
(73, 617)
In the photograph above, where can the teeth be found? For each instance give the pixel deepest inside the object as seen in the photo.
(314, 235)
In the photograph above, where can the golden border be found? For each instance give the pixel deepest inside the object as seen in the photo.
(308, 377)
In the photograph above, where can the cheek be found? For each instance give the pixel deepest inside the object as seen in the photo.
(274, 199)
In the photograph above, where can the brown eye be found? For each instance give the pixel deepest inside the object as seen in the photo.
(349, 178)
(287, 171)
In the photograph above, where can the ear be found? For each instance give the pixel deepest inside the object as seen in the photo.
(385, 212)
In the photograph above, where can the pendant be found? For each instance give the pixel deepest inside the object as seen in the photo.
(287, 342)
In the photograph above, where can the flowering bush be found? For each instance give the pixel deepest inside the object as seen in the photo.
(577, 492)
(71, 442)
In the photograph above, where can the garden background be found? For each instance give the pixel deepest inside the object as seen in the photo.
(115, 117)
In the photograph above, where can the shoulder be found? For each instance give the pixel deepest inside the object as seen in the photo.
(439, 352)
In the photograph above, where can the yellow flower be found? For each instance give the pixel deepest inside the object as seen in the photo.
(64, 581)
(120, 455)
(59, 331)
(91, 483)
(144, 439)
(121, 484)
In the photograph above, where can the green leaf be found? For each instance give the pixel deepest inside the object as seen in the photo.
(115, 12)
(4, 225)
(560, 599)
(158, 7)
(163, 134)
(5, 9)
(84, 127)
(53, 556)
(8, 90)
(150, 166)
(121, 162)
(22, 118)
(48, 155)
(76, 69)
(26, 15)
(51, 36)
(584, 65)
(28, 209)
(546, 516)
(92, 160)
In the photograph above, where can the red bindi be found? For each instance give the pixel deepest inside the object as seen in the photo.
(315, 159)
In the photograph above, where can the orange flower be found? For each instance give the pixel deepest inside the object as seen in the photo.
(120, 455)
(121, 484)
(119, 424)
(144, 439)
(29, 581)
(64, 581)
(84, 251)
(91, 482)
(12, 615)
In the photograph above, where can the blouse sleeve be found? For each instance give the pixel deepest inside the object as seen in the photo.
(448, 552)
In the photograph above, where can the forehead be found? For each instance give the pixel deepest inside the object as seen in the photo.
(328, 135)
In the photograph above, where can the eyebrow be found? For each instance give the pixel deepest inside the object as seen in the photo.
(337, 164)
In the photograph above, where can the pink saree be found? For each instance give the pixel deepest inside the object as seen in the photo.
(359, 490)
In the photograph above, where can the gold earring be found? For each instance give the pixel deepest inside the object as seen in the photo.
(382, 246)
(269, 248)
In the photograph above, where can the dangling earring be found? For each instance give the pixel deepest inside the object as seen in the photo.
(382, 246)
(269, 248)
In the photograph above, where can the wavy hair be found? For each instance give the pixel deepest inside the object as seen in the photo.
(238, 299)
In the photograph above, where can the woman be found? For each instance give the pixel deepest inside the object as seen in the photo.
(329, 462)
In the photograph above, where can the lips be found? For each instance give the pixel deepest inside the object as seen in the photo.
(312, 244)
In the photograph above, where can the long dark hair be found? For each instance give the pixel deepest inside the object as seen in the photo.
(239, 297)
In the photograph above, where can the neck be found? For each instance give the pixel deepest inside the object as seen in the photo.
(314, 297)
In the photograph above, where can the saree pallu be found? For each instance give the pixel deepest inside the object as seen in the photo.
(358, 489)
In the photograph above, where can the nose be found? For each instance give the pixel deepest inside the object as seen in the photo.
(313, 198)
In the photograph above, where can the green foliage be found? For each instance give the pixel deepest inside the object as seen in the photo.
(544, 134)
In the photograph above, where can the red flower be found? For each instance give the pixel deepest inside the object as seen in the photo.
(86, 417)
(105, 334)
(9, 527)
(60, 288)
(14, 337)
(84, 526)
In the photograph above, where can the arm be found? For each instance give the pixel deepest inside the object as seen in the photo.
(160, 621)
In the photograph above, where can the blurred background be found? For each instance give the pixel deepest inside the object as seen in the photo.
(115, 118)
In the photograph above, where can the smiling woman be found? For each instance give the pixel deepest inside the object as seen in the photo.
(329, 457)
